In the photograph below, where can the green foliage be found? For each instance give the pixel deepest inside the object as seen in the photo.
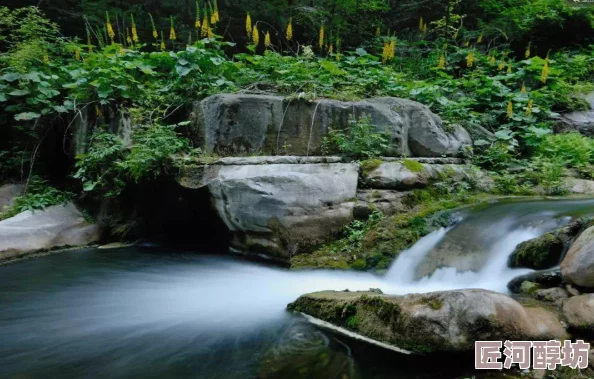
(571, 149)
(109, 165)
(359, 141)
(39, 195)
(413, 166)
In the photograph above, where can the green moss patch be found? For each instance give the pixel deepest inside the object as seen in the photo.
(413, 166)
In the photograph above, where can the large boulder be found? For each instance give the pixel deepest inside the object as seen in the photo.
(579, 313)
(279, 209)
(579, 121)
(578, 265)
(448, 321)
(546, 251)
(54, 227)
(240, 124)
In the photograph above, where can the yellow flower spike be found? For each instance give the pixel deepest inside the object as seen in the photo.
(510, 109)
(248, 25)
(509, 69)
(467, 43)
(197, 23)
(155, 33)
(110, 31)
(256, 35)
(425, 28)
(210, 33)
(470, 59)
(331, 49)
(421, 24)
(98, 111)
(480, 38)
(162, 42)
(289, 32)
(385, 53)
(523, 90)
(172, 35)
(527, 53)
(545, 72)
(128, 38)
(501, 65)
(492, 60)
(134, 30)
(321, 37)
(378, 31)
(441, 63)
(46, 59)
(529, 107)
(216, 15)
(267, 42)
(205, 31)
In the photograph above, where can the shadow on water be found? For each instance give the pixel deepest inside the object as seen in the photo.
(148, 312)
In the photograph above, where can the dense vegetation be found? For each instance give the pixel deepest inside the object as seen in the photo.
(508, 67)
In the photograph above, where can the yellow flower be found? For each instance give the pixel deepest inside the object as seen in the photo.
(425, 28)
(545, 72)
(267, 42)
(331, 49)
(215, 14)
(501, 65)
(210, 33)
(421, 24)
(205, 31)
(470, 59)
(172, 35)
(527, 53)
(441, 63)
(134, 30)
(480, 38)
(529, 107)
(162, 42)
(467, 43)
(392, 49)
(155, 34)
(510, 109)
(492, 60)
(321, 39)
(378, 31)
(110, 31)
(255, 35)
(389, 51)
(248, 25)
(509, 70)
(128, 38)
(338, 57)
(385, 55)
(98, 111)
(46, 59)
(523, 90)
(290, 29)
(197, 22)
(122, 50)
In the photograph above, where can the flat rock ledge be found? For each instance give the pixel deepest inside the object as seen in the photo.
(446, 322)
(55, 227)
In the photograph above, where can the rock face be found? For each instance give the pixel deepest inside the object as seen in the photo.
(582, 121)
(240, 124)
(578, 265)
(546, 251)
(436, 322)
(549, 278)
(410, 174)
(54, 227)
(8, 193)
(386, 201)
(280, 210)
(579, 313)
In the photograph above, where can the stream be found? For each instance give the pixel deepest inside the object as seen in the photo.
(149, 312)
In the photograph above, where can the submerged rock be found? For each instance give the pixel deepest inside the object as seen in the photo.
(578, 265)
(546, 251)
(448, 321)
(579, 313)
(240, 124)
(54, 227)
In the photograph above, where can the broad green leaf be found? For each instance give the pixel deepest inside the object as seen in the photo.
(19, 92)
(26, 116)
(331, 68)
(10, 77)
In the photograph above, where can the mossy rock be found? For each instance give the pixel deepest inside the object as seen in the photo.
(539, 254)
(413, 166)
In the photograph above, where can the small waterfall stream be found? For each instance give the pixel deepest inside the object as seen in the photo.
(149, 312)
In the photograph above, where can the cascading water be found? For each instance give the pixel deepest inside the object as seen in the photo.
(151, 313)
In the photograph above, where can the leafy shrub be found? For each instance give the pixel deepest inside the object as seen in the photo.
(39, 195)
(571, 149)
(359, 141)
